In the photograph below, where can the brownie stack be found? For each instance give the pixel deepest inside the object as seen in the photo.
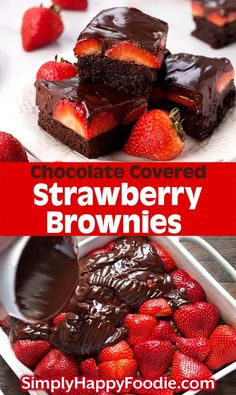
(124, 67)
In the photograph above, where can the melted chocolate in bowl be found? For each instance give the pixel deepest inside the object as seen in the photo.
(46, 277)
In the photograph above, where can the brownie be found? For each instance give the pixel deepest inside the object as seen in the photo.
(202, 88)
(123, 48)
(90, 118)
(215, 21)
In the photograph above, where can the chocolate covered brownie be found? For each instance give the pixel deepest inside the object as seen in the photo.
(123, 48)
(90, 118)
(215, 21)
(202, 88)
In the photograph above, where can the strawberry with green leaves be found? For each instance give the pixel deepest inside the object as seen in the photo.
(41, 26)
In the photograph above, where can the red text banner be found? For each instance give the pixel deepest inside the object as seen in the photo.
(117, 198)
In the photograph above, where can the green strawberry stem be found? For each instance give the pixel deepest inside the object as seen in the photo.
(175, 118)
(55, 8)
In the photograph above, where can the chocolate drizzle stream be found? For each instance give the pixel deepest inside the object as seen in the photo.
(111, 285)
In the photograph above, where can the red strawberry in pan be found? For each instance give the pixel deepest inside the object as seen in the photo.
(40, 27)
(223, 347)
(118, 370)
(103, 250)
(59, 318)
(143, 391)
(57, 364)
(55, 70)
(88, 368)
(164, 331)
(154, 358)
(30, 352)
(120, 350)
(157, 135)
(156, 308)
(196, 320)
(193, 289)
(167, 260)
(80, 5)
(140, 327)
(197, 348)
(184, 367)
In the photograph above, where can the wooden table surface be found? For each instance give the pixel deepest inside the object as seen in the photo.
(227, 247)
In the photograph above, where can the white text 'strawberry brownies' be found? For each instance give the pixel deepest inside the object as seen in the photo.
(133, 314)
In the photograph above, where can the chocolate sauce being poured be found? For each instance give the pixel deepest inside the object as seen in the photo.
(110, 285)
(46, 276)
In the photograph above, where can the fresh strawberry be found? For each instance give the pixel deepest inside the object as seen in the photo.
(217, 19)
(80, 5)
(59, 318)
(118, 370)
(157, 135)
(197, 348)
(196, 320)
(193, 289)
(156, 307)
(223, 347)
(30, 352)
(164, 331)
(197, 9)
(184, 368)
(57, 364)
(225, 80)
(89, 368)
(180, 99)
(107, 248)
(54, 70)
(130, 52)
(40, 27)
(73, 115)
(167, 260)
(120, 350)
(135, 113)
(87, 46)
(11, 149)
(154, 358)
(140, 327)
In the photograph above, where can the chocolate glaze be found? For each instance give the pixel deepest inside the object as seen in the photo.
(127, 24)
(110, 285)
(223, 7)
(194, 77)
(47, 265)
(94, 96)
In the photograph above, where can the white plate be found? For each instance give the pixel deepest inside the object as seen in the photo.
(219, 147)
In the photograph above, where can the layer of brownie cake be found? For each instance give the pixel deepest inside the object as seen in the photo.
(202, 88)
(123, 48)
(92, 119)
(215, 21)
(112, 283)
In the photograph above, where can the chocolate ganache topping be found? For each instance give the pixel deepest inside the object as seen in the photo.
(111, 284)
(126, 24)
